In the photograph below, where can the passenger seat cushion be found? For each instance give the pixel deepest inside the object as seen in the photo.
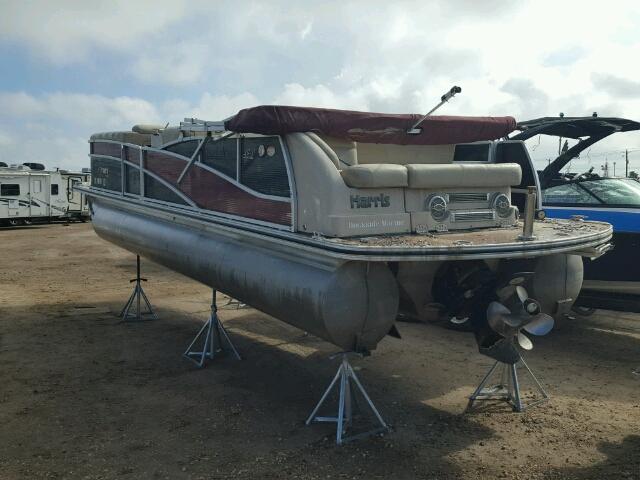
(123, 137)
(375, 175)
(146, 128)
(463, 175)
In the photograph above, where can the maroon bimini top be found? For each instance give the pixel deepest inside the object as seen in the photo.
(368, 127)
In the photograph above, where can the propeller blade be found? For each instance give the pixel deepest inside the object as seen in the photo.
(458, 321)
(505, 292)
(540, 325)
(496, 308)
(517, 280)
(522, 293)
(496, 313)
(524, 341)
(515, 320)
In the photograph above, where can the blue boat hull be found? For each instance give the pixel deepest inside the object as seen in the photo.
(613, 280)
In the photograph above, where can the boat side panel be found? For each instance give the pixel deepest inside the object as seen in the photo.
(104, 148)
(327, 205)
(623, 219)
(213, 192)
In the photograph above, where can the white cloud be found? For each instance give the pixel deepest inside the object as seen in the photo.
(218, 107)
(66, 110)
(304, 33)
(181, 64)
(54, 129)
(66, 31)
(510, 59)
(5, 140)
(319, 96)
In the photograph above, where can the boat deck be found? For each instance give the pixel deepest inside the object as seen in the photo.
(552, 236)
(546, 230)
(550, 233)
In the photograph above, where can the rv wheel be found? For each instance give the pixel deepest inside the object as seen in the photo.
(14, 222)
(28, 221)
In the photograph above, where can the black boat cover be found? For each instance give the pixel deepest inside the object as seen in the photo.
(588, 130)
(368, 127)
(574, 127)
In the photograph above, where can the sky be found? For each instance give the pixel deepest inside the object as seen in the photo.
(72, 68)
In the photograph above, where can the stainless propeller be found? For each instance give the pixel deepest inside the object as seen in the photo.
(525, 314)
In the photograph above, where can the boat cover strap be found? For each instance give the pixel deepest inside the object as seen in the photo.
(368, 127)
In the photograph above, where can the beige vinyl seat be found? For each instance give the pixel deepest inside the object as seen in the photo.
(463, 175)
(123, 137)
(431, 175)
(375, 176)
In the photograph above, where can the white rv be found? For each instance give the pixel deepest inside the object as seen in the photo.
(77, 205)
(28, 196)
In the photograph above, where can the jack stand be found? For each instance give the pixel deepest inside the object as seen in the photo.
(344, 419)
(136, 297)
(232, 302)
(508, 389)
(215, 337)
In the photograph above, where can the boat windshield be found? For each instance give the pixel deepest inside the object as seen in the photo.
(614, 191)
(604, 191)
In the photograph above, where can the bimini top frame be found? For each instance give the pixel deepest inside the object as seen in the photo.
(197, 125)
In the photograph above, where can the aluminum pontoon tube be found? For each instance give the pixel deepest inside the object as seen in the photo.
(350, 304)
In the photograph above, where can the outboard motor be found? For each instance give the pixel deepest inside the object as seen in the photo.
(499, 306)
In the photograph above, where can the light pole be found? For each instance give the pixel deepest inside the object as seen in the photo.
(626, 163)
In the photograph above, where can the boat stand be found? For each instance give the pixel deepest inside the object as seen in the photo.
(348, 379)
(214, 339)
(136, 298)
(232, 302)
(508, 389)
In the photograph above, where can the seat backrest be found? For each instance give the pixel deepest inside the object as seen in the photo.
(404, 154)
(463, 175)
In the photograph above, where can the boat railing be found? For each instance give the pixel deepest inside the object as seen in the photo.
(198, 125)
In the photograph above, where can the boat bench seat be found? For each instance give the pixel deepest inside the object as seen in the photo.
(378, 175)
(375, 175)
(463, 175)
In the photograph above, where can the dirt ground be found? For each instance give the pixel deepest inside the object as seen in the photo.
(84, 396)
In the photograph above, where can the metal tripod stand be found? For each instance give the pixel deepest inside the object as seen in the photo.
(348, 379)
(214, 339)
(508, 389)
(136, 298)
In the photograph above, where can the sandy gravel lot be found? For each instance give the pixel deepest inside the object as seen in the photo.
(83, 396)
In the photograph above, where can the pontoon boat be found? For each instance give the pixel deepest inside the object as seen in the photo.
(333, 220)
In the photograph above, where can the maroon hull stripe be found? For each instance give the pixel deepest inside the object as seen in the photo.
(132, 155)
(165, 166)
(103, 148)
(213, 192)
